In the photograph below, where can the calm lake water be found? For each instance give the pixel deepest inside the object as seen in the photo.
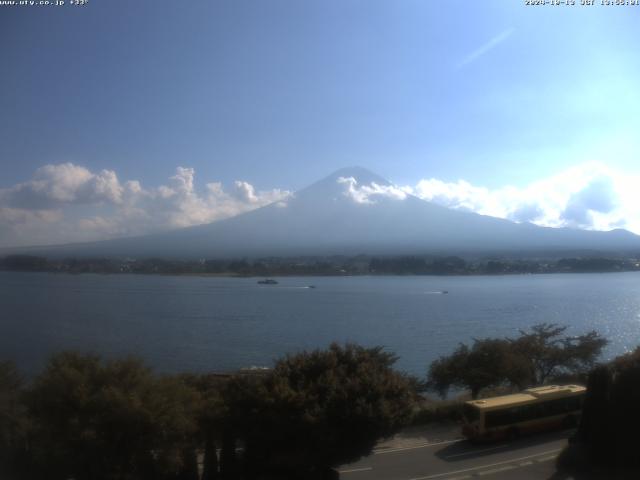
(203, 323)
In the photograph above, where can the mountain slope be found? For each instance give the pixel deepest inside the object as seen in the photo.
(352, 211)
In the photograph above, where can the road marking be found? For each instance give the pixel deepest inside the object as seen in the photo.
(513, 460)
(473, 452)
(353, 470)
(546, 459)
(497, 470)
(413, 447)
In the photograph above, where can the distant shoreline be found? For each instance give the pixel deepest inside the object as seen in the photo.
(336, 266)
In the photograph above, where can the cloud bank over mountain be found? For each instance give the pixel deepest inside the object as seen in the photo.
(590, 196)
(368, 193)
(67, 202)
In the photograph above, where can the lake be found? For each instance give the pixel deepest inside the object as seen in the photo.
(179, 323)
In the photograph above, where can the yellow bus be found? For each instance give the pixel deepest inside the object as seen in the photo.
(532, 410)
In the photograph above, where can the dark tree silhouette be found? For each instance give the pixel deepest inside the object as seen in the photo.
(605, 445)
(102, 420)
(211, 416)
(319, 409)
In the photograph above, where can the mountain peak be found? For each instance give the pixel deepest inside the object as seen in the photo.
(360, 174)
(332, 187)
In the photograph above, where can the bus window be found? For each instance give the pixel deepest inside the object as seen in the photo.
(501, 417)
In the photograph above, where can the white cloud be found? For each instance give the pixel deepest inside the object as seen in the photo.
(370, 193)
(590, 196)
(52, 207)
(460, 195)
(245, 191)
(54, 185)
(18, 224)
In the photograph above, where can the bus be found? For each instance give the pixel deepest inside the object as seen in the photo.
(532, 410)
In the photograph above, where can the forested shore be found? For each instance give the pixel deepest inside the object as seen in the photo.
(322, 266)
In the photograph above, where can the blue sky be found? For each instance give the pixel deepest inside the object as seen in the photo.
(446, 99)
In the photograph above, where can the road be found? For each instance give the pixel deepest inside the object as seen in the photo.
(455, 459)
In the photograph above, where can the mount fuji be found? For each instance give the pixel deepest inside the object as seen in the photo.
(351, 211)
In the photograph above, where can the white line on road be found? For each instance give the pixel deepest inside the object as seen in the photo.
(497, 470)
(353, 470)
(473, 452)
(413, 447)
(546, 459)
(513, 460)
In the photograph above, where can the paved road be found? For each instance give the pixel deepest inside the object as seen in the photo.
(454, 459)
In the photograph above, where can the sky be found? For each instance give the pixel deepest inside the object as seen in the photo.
(121, 118)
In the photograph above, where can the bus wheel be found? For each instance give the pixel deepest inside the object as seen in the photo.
(513, 433)
(569, 421)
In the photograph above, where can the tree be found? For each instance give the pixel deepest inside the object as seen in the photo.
(549, 353)
(319, 409)
(211, 416)
(530, 359)
(97, 420)
(487, 363)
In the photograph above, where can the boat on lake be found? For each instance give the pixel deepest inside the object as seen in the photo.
(268, 281)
